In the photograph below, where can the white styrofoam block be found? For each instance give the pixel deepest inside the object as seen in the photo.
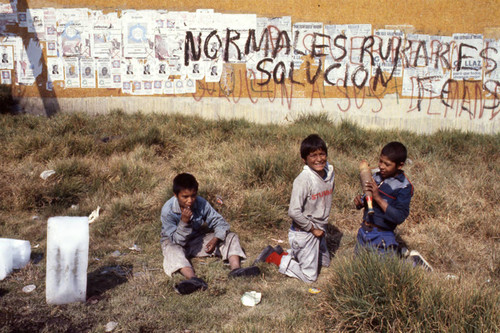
(14, 254)
(5, 260)
(67, 259)
(21, 252)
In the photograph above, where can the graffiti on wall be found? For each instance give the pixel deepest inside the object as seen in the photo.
(233, 56)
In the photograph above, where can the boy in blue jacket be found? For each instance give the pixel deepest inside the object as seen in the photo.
(392, 193)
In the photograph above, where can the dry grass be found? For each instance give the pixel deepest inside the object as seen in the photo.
(125, 164)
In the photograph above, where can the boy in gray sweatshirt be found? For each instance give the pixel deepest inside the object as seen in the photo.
(309, 209)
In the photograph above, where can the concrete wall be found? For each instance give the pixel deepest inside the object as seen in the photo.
(441, 70)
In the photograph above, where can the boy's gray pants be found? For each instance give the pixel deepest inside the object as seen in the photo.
(176, 256)
(305, 256)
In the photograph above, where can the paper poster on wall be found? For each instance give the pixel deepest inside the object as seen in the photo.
(169, 45)
(469, 65)
(55, 69)
(6, 77)
(52, 49)
(137, 88)
(158, 87)
(116, 72)
(385, 46)
(50, 24)
(441, 53)
(137, 34)
(190, 86)
(196, 70)
(131, 69)
(237, 25)
(168, 87)
(304, 35)
(336, 54)
(148, 87)
(127, 87)
(162, 70)
(29, 61)
(213, 72)
(179, 86)
(74, 41)
(22, 19)
(423, 82)
(147, 69)
(87, 68)
(7, 56)
(71, 73)
(106, 36)
(35, 19)
(8, 13)
(491, 66)
(104, 78)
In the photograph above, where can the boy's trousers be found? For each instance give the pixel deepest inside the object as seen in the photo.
(306, 255)
(176, 257)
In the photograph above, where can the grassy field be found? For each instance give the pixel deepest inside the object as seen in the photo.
(125, 163)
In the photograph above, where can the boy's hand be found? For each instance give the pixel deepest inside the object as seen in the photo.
(211, 245)
(358, 201)
(317, 232)
(373, 187)
(186, 214)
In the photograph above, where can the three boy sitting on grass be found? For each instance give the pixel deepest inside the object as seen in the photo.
(183, 215)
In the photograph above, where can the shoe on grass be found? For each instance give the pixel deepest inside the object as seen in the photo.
(247, 271)
(278, 249)
(417, 260)
(190, 286)
(264, 254)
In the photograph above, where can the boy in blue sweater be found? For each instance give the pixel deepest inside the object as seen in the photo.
(392, 193)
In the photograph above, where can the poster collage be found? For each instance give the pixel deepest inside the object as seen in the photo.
(142, 52)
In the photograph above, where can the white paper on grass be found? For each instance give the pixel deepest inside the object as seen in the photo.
(67, 259)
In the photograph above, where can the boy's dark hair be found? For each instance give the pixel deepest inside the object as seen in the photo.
(312, 143)
(184, 181)
(395, 151)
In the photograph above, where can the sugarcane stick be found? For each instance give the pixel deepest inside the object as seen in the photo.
(365, 176)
